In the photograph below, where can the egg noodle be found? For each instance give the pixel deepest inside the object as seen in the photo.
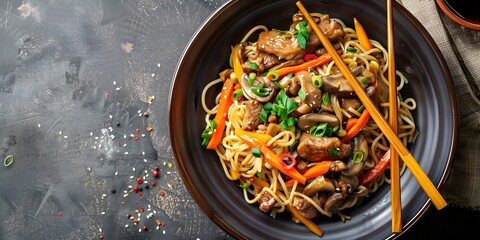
(241, 165)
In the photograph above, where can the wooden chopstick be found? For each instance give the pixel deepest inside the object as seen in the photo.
(422, 178)
(392, 91)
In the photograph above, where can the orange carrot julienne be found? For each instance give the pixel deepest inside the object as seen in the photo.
(270, 157)
(362, 35)
(263, 137)
(317, 170)
(222, 111)
(323, 59)
(237, 61)
(361, 122)
(350, 123)
(307, 222)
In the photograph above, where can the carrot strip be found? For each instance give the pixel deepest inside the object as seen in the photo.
(323, 59)
(317, 170)
(307, 222)
(237, 61)
(350, 123)
(263, 137)
(362, 35)
(272, 158)
(361, 122)
(222, 112)
(290, 183)
(378, 169)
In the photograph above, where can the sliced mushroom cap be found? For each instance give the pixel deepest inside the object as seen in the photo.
(247, 90)
(333, 202)
(360, 145)
(313, 95)
(338, 85)
(305, 122)
(351, 181)
(362, 191)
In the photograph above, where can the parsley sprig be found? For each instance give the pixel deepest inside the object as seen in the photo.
(302, 33)
(282, 106)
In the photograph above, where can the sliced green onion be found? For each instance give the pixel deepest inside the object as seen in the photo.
(290, 75)
(364, 81)
(333, 152)
(334, 129)
(361, 108)
(256, 152)
(317, 81)
(237, 94)
(352, 49)
(302, 94)
(251, 79)
(245, 186)
(207, 133)
(319, 130)
(358, 156)
(326, 98)
(274, 74)
(8, 160)
(253, 65)
(205, 142)
(260, 175)
(262, 92)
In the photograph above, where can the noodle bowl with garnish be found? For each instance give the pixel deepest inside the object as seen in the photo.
(290, 130)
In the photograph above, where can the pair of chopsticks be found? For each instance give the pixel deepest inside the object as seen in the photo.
(389, 130)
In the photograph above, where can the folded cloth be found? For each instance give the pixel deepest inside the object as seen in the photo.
(460, 48)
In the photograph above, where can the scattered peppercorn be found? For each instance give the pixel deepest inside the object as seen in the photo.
(156, 174)
(129, 216)
(136, 189)
(145, 228)
(102, 237)
(113, 191)
(137, 131)
(142, 209)
(153, 184)
(136, 138)
(139, 180)
(147, 187)
(118, 124)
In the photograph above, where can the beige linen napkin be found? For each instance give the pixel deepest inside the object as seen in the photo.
(461, 49)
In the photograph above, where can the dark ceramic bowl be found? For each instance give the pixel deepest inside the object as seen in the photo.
(207, 54)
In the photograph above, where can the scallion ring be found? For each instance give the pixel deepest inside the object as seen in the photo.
(358, 156)
(364, 81)
(256, 152)
(237, 94)
(317, 81)
(8, 160)
(352, 49)
(262, 92)
(251, 79)
(333, 152)
(326, 98)
(274, 73)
